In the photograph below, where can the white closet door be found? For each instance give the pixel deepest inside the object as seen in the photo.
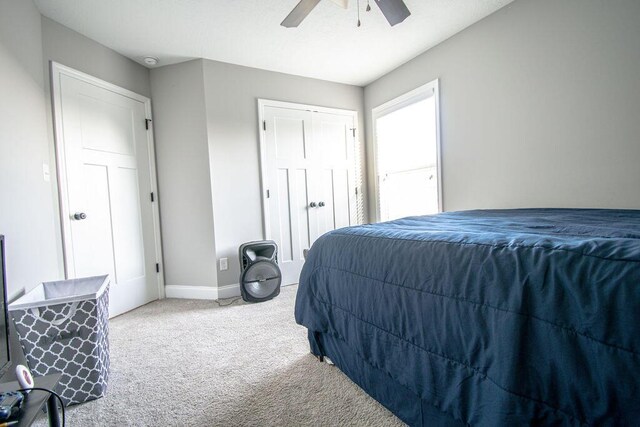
(288, 155)
(106, 172)
(333, 175)
(310, 181)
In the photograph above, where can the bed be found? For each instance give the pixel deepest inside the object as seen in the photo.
(487, 317)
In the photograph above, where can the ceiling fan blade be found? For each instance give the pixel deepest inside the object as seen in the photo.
(394, 10)
(342, 3)
(297, 15)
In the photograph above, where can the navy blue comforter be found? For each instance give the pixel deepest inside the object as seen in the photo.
(503, 317)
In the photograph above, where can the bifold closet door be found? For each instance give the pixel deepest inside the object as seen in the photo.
(288, 155)
(333, 176)
(310, 180)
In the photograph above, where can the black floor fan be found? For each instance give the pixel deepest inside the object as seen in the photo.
(260, 278)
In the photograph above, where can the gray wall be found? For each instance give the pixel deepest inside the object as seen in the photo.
(231, 94)
(27, 202)
(539, 106)
(184, 177)
(74, 50)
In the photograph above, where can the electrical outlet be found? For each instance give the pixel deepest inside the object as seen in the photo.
(224, 264)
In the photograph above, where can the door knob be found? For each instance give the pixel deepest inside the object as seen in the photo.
(78, 216)
(312, 204)
(321, 204)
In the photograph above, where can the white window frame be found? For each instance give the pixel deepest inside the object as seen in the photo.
(423, 92)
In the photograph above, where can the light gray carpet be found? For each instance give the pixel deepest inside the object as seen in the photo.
(193, 363)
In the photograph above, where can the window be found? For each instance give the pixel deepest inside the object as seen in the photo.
(407, 152)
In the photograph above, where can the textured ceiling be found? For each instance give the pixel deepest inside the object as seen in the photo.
(327, 45)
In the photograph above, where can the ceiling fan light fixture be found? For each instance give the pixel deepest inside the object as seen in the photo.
(395, 11)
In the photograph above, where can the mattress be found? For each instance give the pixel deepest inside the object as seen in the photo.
(489, 317)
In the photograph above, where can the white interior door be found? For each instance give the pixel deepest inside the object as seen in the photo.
(334, 178)
(309, 179)
(106, 180)
(289, 154)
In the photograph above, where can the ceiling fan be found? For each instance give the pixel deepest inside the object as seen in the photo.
(394, 10)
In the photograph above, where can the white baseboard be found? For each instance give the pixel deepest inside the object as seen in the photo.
(229, 291)
(191, 292)
(204, 292)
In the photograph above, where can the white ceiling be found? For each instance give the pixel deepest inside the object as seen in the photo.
(327, 45)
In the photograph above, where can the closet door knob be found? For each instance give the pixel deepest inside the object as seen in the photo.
(79, 216)
(312, 204)
(321, 204)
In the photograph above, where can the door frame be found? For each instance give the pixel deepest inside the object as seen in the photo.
(57, 70)
(393, 105)
(264, 181)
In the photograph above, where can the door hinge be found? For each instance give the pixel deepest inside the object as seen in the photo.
(268, 194)
(264, 125)
(356, 191)
(354, 132)
(147, 123)
(153, 199)
(157, 267)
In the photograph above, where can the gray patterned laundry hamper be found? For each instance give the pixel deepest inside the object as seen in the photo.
(64, 327)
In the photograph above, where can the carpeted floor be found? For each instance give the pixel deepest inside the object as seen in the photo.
(194, 363)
